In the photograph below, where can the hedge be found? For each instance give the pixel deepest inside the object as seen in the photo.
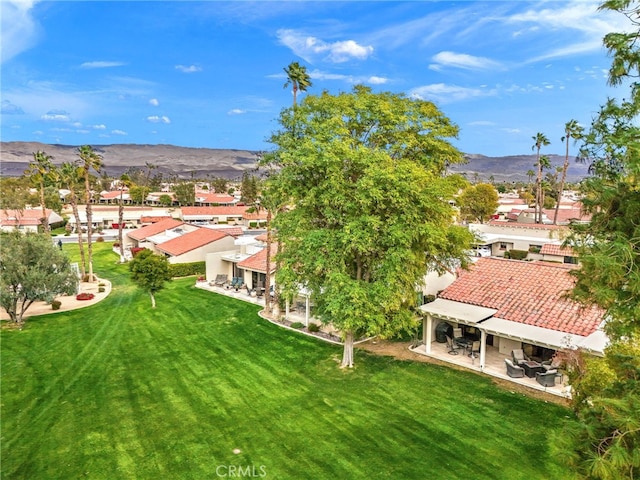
(187, 269)
(516, 254)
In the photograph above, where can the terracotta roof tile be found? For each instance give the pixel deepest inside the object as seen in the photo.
(532, 293)
(552, 249)
(190, 241)
(154, 228)
(213, 211)
(258, 262)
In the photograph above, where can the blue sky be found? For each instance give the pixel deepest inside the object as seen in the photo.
(210, 74)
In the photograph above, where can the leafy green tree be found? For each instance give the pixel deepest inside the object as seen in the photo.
(219, 184)
(606, 442)
(89, 160)
(478, 202)
(185, 193)
(32, 269)
(138, 194)
(572, 130)
(541, 162)
(369, 209)
(150, 272)
(39, 169)
(298, 78)
(249, 188)
(15, 191)
(165, 200)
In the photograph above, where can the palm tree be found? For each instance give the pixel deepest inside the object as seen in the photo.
(39, 169)
(89, 160)
(540, 140)
(125, 182)
(572, 129)
(297, 77)
(69, 177)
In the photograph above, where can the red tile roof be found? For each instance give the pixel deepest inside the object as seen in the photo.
(551, 249)
(26, 217)
(222, 198)
(190, 241)
(154, 228)
(258, 262)
(114, 194)
(154, 219)
(213, 211)
(533, 293)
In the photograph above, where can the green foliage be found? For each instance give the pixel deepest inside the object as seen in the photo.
(516, 254)
(298, 78)
(250, 189)
(478, 202)
(187, 269)
(150, 272)
(219, 184)
(165, 200)
(313, 327)
(185, 193)
(297, 325)
(56, 304)
(32, 268)
(138, 194)
(365, 173)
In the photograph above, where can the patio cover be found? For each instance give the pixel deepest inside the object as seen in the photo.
(544, 337)
(457, 311)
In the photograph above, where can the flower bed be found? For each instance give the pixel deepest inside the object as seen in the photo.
(85, 296)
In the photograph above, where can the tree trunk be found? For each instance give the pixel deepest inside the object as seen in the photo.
(74, 207)
(120, 220)
(565, 167)
(45, 220)
(153, 300)
(89, 232)
(347, 354)
(538, 209)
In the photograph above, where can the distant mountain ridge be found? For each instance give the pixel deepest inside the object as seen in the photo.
(185, 162)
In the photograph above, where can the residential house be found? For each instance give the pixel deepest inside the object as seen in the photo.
(214, 215)
(502, 237)
(26, 220)
(209, 199)
(139, 238)
(552, 252)
(194, 245)
(508, 305)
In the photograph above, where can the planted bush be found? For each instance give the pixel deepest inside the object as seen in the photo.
(55, 305)
(100, 289)
(187, 269)
(297, 325)
(313, 327)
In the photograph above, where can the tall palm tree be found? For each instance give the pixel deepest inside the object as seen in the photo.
(125, 182)
(39, 169)
(89, 160)
(572, 130)
(69, 177)
(540, 141)
(298, 78)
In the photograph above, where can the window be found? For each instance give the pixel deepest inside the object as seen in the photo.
(503, 246)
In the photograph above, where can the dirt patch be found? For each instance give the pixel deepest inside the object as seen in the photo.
(400, 350)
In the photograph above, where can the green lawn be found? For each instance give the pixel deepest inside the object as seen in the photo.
(120, 391)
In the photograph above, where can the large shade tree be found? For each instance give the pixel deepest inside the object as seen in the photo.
(369, 206)
(298, 78)
(150, 272)
(478, 202)
(89, 161)
(32, 269)
(606, 442)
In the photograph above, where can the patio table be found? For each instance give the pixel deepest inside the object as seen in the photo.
(531, 368)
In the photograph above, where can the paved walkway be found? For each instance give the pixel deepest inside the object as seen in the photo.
(68, 302)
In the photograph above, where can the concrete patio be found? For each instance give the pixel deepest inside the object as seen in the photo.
(494, 366)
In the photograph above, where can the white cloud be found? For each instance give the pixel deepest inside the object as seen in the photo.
(442, 93)
(236, 111)
(481, 123)
(310, 48)
(374, 80)
(56, 116)
(18, 30)
(462, 60)
(118, 132)
(101, 64)
(158, 119)
(154, 102)
(189, 69)
(99, 127)
(511, 130)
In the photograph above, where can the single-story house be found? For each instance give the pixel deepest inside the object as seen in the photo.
(194, 245)
(214, 215)
(26, 220)
(511, 304)
(139, 238)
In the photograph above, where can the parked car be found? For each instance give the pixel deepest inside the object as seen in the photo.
(482, 251)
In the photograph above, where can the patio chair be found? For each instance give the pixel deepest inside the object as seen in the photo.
(519, 356)
(548, 378)
(475, 348)
(453, 348)
(514, 371)
(221, 279)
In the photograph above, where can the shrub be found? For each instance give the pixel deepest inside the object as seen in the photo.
(253, 224)
(100, 289)
(313, 327)
(187, 269)
(101, 284)
(136, 250)
(85, 296)
(116, 244)
(55, 305)
(297, 325)
(517, 254)
(100, 239)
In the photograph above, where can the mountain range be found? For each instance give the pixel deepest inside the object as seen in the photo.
(187, 162)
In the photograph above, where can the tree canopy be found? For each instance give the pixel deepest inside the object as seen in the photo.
(364, 175)
(32, 269)
(150, 272)
(478, 202)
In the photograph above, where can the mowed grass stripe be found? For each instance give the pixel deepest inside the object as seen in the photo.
(120, 390)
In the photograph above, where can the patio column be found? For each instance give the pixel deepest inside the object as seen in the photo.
(483, 348)
(286, 309)
(427, 333)
(307, 310)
